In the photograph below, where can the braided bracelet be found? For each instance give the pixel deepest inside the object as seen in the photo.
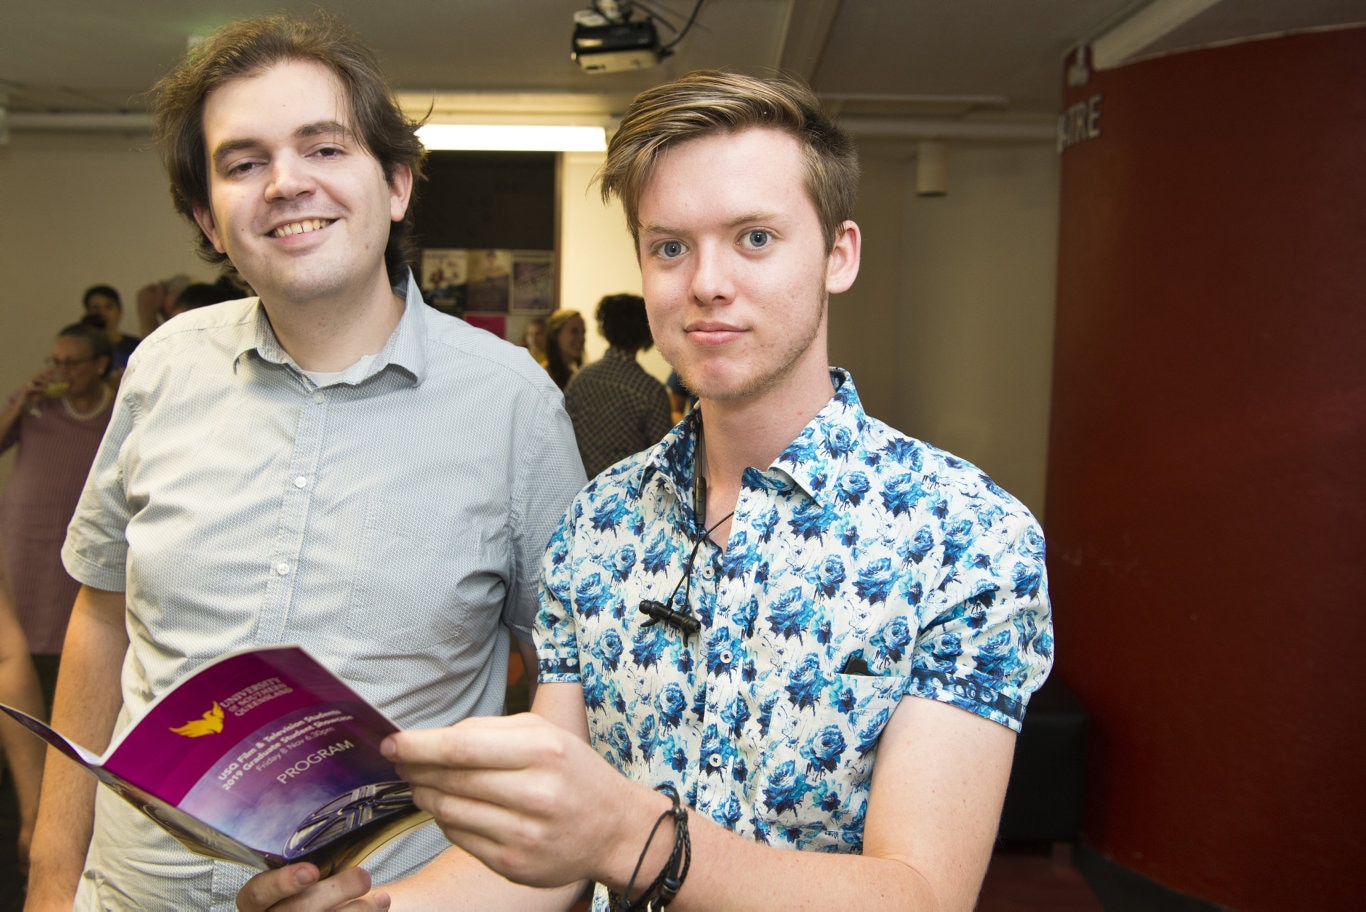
(670, 880)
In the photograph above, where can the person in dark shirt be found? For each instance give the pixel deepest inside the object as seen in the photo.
(104, 308)
(617, 408)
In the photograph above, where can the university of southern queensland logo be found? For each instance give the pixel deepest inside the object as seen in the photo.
(211, 723)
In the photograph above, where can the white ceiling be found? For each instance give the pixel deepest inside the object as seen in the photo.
(886, 61)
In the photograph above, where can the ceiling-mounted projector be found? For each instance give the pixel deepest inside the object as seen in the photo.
(609, 47)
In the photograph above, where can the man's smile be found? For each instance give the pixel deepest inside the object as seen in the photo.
(300, 227)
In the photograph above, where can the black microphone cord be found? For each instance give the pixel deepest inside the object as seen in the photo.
(663, 612)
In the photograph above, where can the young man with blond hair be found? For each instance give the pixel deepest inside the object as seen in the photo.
(793, 641)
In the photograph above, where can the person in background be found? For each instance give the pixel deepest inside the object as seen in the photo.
(783, 653)
(533, 338)
(617, 408)
(22, 752)
(156, 301)
(202, 294)
(680, 400)
(105, 308)
(332, 463)
(564, 334)
(54, 424)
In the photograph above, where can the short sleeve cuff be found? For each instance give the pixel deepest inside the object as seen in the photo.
(558, 670)
(1003, 707)
(92, 574)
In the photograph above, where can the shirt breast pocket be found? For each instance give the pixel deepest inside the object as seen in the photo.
(425, 575)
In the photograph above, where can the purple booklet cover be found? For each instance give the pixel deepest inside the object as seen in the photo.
(262, 757)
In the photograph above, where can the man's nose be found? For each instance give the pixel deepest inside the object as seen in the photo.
(289, 177)
(711, 278)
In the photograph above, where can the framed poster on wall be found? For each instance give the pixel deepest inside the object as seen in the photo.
(498, 290)
(486, 224)
(444, 277)
(533, 283)
(490, 281)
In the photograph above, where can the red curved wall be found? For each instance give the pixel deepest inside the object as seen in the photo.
(1206, 505)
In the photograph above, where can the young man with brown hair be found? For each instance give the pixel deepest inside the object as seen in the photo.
(332, 463)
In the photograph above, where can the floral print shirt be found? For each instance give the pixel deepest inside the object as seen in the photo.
(862, 567)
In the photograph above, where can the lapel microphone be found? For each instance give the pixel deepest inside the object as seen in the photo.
(660, 613)
(663, 612)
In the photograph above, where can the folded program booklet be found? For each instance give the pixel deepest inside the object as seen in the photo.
(261, 757)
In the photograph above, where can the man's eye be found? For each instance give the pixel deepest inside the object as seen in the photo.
(670, 249)
(757, 238)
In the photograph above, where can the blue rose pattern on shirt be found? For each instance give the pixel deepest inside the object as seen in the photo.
(857, 543)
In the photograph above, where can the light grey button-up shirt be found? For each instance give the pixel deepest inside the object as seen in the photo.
(392, 525)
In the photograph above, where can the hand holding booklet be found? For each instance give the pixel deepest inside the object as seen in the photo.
(262, 757)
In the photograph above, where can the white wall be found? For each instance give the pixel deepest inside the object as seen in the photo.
(596, 254)
(76, 211)
(948, 330)
(866, 321)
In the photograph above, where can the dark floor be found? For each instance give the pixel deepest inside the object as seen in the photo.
(11, 887)
(1035, 879)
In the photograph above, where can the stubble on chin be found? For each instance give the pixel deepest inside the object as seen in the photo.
(730, 378)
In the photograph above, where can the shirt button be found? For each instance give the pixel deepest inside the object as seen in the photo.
(714, 761)
(708, 573)
(725, 657)
(301, 482)
(282, 568)
(318, 397)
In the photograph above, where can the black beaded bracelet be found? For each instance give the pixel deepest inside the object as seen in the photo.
(670, 880)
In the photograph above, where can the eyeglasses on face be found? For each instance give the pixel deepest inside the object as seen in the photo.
(66, 363)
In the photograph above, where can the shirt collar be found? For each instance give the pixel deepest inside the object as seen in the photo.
(405, 348)
(834, 435)
(833, 438)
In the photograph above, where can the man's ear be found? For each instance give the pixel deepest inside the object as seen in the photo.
(400, 191)
(841, 267)
(204, 216)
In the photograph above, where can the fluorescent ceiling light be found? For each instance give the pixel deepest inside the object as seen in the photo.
(512, 138)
